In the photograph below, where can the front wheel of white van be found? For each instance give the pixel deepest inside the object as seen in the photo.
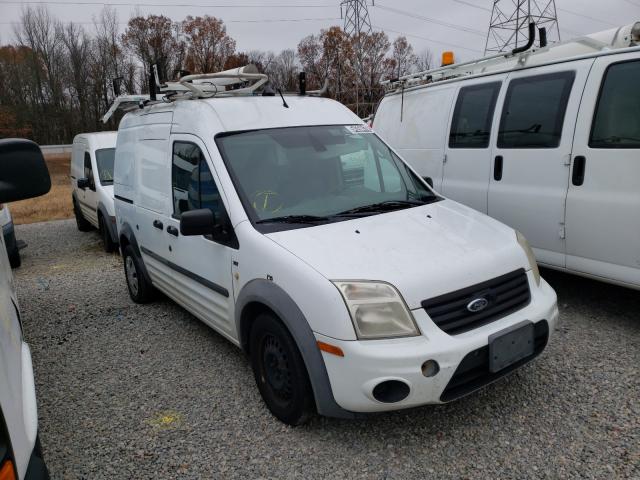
(140, 290)
(280, 371)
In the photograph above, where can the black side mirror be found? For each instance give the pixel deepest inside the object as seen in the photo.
(23, 172)
(83, 183)
(197, 222)
(429, 181)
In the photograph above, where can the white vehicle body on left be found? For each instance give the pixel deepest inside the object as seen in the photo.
(20, 455)
(9, 234)
(92, 184)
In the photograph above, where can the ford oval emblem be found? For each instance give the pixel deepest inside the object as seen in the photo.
(477, 305)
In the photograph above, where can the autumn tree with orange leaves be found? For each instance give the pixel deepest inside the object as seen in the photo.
(209, 46)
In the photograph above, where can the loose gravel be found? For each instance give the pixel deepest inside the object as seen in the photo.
(131, 391)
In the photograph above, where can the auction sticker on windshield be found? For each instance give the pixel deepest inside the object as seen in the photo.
(359, 129)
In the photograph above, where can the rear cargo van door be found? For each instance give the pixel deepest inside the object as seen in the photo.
(603, 204)
(532, 152)
(467, 164)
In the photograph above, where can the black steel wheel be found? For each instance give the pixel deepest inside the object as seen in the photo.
(279, 371)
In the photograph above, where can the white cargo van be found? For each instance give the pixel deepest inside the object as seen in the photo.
(24, 175)
(288, 226)
(546, 141)
(92, 183)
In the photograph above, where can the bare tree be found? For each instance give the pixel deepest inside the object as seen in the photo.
(402, 56)
(424, 60)
(209, 46)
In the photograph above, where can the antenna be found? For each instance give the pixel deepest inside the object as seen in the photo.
(510, 20)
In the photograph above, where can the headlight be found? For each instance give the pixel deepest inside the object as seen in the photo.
(532, 258)
(377, 310)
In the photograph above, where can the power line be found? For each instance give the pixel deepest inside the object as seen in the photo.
(587, 17)
(469, 4)
(129, 4)
(273, 20)
(448, 44)
(454, 26)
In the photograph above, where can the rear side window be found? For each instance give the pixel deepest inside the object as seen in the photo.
(472, 117)
(193, 186)
(534, 110)
(616, 123)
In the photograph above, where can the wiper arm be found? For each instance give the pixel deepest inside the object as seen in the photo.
(382, 207)
(310, 219)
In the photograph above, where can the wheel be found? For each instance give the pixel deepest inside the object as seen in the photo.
(279, 371)
(14, 257)
(140, 290)
(107, 243)
(82, 224)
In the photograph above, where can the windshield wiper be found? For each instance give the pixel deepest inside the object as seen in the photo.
(310, 219)
(386, 206)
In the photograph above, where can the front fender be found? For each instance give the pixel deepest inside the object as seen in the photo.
(266, 293)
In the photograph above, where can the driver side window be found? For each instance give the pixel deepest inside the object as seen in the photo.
(192, 183)
(88, 171)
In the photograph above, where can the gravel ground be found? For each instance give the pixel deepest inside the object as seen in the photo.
(130, 391)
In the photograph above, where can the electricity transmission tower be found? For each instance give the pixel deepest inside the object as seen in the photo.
(356, 17)
(510, 19)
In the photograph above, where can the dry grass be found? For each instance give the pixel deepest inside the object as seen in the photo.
(55, 205)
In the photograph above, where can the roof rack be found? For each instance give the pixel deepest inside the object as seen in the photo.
(617, 38)
(242, 81)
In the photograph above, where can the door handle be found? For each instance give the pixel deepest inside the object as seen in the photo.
(579, 164)
(497, 168)
(158, 224)
(171, 230)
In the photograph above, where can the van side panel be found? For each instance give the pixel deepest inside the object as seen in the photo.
(416, 127)
(77, 158)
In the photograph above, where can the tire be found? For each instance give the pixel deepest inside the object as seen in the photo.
(82, 224)
(107, 243)
(14, 258)
(140, 290)
(279, 371)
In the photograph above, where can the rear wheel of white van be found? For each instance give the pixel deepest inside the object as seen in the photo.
(82, 224)
(140, 290)
(280, 371)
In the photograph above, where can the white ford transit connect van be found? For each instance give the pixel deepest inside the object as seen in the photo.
(24, 175)
(546, 141)
(92, 182)
(290, 228)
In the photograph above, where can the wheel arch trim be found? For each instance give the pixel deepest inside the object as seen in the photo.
(269, 295)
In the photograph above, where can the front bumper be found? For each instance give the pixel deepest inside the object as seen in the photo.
(368, 363)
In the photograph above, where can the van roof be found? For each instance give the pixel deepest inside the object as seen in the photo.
(615, 40)
(229, 114)
(97, 140)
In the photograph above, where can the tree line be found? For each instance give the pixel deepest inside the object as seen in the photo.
(57, 77)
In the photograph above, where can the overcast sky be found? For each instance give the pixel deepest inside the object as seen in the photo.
(459, 25)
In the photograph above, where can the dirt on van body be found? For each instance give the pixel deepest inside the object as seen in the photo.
(148, 391)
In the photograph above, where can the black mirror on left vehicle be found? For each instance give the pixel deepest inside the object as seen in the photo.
(83, 183)
(23, 171)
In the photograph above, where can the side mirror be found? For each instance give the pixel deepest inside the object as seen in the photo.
(83, 183)
(429, 181)
(197, 222)
(23, 172)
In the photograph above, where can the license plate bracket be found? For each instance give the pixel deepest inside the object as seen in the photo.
(510, 345)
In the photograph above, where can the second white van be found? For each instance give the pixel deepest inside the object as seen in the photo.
(92, 159)
(546, 141)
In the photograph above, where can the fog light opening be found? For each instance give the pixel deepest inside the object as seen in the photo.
(430, 368)
(391, 391)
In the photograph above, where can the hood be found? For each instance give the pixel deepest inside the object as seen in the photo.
(424, 251)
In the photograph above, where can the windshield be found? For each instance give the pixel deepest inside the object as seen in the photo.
(104, 162)
(328, 173)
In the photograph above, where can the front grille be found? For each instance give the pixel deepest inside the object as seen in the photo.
(473, 371)
(504, 294)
